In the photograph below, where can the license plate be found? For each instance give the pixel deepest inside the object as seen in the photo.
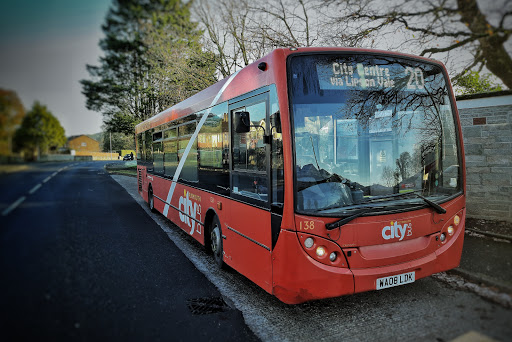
(395, 280)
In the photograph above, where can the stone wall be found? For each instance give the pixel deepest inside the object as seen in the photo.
(63, 158)
(486, 121)
(99, 155)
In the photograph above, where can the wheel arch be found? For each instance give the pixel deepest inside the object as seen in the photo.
(149, 190)
(208, 219)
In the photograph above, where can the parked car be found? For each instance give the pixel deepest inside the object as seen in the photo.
(128, 157)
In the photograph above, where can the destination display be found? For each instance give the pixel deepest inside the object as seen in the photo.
(339, 75)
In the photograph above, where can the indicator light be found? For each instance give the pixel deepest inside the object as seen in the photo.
(321, 251)
(332, 256)
(309, 242)
(456, 220)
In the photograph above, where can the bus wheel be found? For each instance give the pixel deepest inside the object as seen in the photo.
(151, 200)
(216, 242)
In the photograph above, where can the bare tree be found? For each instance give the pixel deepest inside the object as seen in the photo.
(285, 23)
(443, 29)
(240, 32)
(225, 24)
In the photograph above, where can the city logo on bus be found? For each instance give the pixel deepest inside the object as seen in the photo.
(190, 211)
(397, 230)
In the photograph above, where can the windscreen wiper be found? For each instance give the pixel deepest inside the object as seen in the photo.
(341, 222)
(347, 219)
(434, 205)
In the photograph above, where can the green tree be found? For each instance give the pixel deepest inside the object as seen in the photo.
(11, 115)
(472, 82)
(116, 85)
(126, 87)
(179, 67)
(120, 141)
(40, 131)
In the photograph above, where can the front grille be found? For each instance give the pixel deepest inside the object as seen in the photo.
(140, 179)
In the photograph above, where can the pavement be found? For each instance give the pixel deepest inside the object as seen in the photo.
(486, 259)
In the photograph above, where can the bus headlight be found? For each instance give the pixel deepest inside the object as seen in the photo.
(320, 251)
(450, 230)
(456, 220)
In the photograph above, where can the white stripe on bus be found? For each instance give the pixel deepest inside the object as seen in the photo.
(191, 142)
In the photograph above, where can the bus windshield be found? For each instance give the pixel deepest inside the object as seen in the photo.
(371, 130)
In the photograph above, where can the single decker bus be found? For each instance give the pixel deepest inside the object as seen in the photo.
(315, 172)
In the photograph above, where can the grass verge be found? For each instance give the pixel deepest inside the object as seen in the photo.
(121, 169)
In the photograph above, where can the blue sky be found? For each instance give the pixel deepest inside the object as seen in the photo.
(44, 47)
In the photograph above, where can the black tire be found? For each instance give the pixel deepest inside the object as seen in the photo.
(216, 242)
(151, 200)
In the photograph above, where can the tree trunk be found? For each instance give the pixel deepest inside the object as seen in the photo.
(498, 61)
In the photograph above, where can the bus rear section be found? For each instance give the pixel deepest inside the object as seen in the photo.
(378, 175)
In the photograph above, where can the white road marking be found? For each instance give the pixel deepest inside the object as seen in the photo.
(13, 206)
(473, 336)
(20, 200)
(35, 188)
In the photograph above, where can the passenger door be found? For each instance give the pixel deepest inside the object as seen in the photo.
(248, 235)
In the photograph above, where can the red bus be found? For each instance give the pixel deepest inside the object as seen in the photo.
(315, 172)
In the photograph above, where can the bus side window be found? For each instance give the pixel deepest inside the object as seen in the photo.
(149, 148)
(213, 150)
(276, 152)
(170, 155)
(140, 147)
(277, 162)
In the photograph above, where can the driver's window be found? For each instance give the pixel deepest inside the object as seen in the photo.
(250, 156)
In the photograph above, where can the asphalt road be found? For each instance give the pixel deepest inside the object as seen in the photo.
(81, 260)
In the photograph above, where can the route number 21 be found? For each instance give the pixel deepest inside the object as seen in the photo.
(416, 80)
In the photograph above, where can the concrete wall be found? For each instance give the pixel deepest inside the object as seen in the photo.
(487, 130)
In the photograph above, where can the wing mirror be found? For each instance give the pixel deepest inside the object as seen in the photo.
(242, 122)
(275, 122)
